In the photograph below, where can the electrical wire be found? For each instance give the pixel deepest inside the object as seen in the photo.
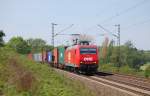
(135, 24)
(64, 30)
(106, 30)
(119, 14)
(126, 10)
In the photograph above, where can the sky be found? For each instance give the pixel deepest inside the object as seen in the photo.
(33, 18)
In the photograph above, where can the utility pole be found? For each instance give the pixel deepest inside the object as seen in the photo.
(53, 24)
(58, 33)
(118, 43)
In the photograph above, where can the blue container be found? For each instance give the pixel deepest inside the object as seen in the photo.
(49, 57)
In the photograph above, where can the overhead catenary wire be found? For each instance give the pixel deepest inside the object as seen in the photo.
(135, 24)
(106, 30)
(125, 11)
(125, 28)
(64, 30)
(121, 13)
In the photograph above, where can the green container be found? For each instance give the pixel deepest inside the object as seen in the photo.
(61, 52)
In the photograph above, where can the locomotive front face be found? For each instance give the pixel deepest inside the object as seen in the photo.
(88, 59)
(88, 55)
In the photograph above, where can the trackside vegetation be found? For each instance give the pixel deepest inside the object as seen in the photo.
(22, 77)
(132, 60)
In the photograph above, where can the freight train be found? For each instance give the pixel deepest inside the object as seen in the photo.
(78, 58)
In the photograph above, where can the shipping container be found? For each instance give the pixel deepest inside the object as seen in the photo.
(55, 55)
(30, 56)
(37, 57)
(49, 57)
(43, 56)
(61, 51)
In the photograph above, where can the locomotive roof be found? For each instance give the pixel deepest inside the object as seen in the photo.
(81, 46)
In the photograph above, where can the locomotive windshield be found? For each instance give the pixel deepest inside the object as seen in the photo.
(87, 50)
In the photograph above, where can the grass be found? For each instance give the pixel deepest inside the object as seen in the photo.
(21, 77)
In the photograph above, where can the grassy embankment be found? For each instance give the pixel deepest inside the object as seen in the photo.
(21, 77)
(124, 70)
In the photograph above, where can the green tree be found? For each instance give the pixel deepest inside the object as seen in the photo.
(135, 57)
(2, 34)
(19, 45)
(147, 56)
(48, 47)
(110, 49)
(123, 55)
(129, 44)
(37, 45)
(114, 56)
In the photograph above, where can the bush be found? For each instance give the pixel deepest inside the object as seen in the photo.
(147, 71)
(127, 70)
(108, 67)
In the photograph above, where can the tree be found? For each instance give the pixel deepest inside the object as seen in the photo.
(37, 45)
(48, 48)
(110, 49)
(147, 56)
(2, 34)
(36, 42)
(19, 45)
(114, 57)
(129, 44)
(129, 56)
(135, 57)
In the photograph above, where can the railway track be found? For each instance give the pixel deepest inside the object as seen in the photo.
(117, 82)
(125, 79)
(136, 90)
(133, 77)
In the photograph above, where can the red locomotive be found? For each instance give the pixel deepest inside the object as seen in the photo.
(82, 58)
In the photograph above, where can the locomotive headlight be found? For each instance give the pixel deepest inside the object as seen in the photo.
(81, 62)
(94, 62)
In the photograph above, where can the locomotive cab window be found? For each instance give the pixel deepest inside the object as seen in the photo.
(87, 50)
